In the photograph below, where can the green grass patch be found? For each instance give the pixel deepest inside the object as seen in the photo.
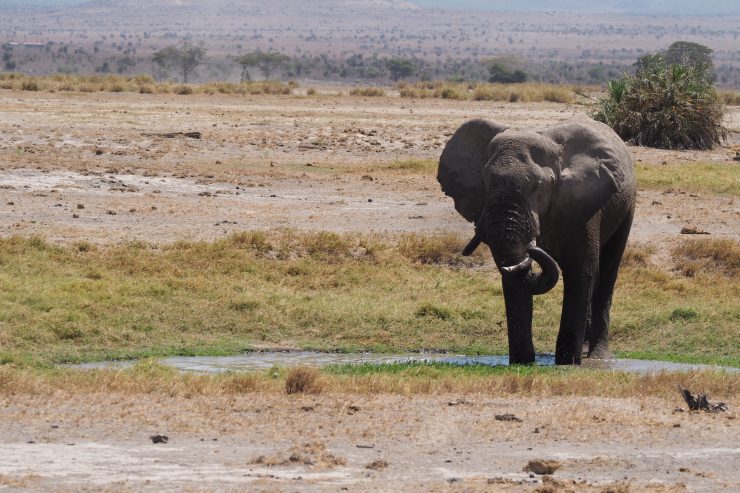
(322, 291)
(691, 177)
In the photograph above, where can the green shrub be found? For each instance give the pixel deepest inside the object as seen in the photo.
(665, 106)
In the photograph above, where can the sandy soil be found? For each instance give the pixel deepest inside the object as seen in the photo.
(362, 443)
(102, 168)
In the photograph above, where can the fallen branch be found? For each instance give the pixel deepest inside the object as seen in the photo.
(172, 135)
(700, 402)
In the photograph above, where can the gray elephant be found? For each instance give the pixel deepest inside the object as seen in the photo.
(561, 196)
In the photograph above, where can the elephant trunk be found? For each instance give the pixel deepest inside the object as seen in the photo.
(509, 229)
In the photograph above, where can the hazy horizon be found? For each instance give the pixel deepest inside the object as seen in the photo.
(628, 7)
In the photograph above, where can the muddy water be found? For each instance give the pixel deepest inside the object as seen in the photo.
(263, 360)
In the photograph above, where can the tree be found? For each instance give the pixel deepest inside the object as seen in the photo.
(400, 68)
(266, 62)
(500, 71)
(185, 57)
(689, 54)
(665, 105)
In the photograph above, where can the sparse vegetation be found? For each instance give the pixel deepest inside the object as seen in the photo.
(527, 92)
(142, 84)
(665, 106)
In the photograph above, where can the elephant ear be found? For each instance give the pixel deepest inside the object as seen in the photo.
(592, 169)
(461, 166)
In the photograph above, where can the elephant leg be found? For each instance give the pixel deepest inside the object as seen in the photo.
(611, 257)
(518, 321)
(580, 272)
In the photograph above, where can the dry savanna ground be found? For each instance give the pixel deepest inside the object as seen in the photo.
(140, 225)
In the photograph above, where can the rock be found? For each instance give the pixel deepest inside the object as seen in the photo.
(508, 417)
(539, 466)
(377, 465)
(159, 438)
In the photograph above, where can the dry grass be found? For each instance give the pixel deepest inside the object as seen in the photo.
(710, 256)
(150, 378)
(367, 91)
(142, 84)
(730, 97)
(443, 249)
(303, 379)
(528, 92)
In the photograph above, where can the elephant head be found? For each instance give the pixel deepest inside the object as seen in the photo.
(506, 181)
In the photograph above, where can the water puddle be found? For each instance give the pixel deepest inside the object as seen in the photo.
(264, 360)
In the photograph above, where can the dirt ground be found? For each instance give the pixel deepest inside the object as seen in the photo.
(362, 443)
(101, 168)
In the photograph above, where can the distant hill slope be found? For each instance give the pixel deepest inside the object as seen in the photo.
(629, 7)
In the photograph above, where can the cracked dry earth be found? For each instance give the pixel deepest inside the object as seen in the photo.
(329, 442)
(102, 168)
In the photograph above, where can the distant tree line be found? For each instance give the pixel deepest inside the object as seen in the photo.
(189, 60)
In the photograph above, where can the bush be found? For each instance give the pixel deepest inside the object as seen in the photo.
(665, 106)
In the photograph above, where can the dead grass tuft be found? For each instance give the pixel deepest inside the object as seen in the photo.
(709, 255)
(367, 91)
(440, 249)
(730, 97)
(312, 454)
(637, 255)
(303, 379)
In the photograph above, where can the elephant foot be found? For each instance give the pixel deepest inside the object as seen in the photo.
(600, 352)
(521, 360)
(567, 359)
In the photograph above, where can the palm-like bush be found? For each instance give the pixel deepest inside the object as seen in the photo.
(665, 106)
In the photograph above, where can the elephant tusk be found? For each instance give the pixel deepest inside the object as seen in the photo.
(525, 264)
(471, 246)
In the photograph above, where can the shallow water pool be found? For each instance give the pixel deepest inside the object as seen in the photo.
(262, 360)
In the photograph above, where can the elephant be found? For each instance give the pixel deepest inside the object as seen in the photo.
(562, 196)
